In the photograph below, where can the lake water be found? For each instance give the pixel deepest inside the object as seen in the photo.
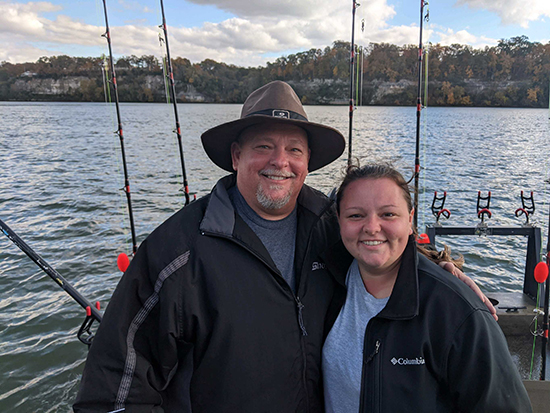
(60, 191)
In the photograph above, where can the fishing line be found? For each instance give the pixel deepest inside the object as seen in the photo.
(357, 78)
(164, 66)
(357, 91)
(163, 58)
(122, 209)
(545, 260)
(423, 17)
(425, 137)
(115, 160)
(119, 132)
(535, 332)
(362, 74)
(359, 81)
(352, 66)
(541, 276)
(165, 76)
(173, 144)
(175, 105)
(103, 77)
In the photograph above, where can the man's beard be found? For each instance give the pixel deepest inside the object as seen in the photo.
(268, 202)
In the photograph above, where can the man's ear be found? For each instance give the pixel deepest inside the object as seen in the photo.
(235, 155)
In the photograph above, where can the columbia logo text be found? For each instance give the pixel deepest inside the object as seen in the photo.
(317, 266)
(408, 362)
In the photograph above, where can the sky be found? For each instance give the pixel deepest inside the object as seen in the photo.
(254, 32)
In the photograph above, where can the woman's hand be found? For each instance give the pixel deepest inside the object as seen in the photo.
(449, 266)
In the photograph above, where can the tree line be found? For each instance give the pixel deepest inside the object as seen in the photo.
(515, 72)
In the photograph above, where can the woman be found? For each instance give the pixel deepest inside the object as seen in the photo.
(410, 336)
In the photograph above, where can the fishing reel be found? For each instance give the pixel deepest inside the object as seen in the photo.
(483, 211)
(84, 333)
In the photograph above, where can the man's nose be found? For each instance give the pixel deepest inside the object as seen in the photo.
(279, 158)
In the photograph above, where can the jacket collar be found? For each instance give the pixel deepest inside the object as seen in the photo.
(404, 299)
(404, 302)
(219, 217)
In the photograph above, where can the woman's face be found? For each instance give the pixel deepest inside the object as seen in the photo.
(375, 224)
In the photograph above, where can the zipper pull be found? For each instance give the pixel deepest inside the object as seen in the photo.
(375, 352)
(300, 316)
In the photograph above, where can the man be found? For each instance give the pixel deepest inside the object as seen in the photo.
(223, 307)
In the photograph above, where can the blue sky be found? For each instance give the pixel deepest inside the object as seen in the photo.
(252, 32)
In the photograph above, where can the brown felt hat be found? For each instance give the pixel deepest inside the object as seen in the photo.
(273, 103)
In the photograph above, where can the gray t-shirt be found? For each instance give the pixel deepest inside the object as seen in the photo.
(343, 348)
(278, 237)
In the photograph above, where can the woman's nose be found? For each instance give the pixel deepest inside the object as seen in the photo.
(371, 225)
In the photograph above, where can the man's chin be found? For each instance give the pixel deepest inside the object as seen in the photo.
(273, 201)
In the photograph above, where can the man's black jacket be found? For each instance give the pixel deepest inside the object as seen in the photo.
(203, 321)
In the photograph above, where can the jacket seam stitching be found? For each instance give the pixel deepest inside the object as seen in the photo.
(141, 316)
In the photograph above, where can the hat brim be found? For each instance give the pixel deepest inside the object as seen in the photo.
(326, 143)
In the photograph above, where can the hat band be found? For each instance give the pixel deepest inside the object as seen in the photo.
(279, 113)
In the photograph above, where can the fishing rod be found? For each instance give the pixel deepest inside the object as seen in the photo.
(92, 312)
(175, 103)
(351, 72)
(541, 275)
(418, 110)
(119, 132)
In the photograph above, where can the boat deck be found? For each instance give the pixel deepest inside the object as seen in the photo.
(515, 315)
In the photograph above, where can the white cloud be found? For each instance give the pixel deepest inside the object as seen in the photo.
(303, 9)
(15, 52)
(287, 24)
(400, 35)
(520, 12)
(24, 18)
(258, 30)
(448, 37)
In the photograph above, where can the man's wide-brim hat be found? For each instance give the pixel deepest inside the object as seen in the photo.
(274, 103)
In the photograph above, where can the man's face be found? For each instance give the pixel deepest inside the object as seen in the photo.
(271, 164)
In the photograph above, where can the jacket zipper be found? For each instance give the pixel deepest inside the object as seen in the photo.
(374, 353)
(372, 382)
(302, 344)
(296, 298)
(298, 303)
(301, 316)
